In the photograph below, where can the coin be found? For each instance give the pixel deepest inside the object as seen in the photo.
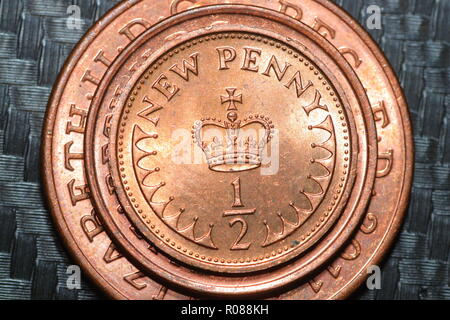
(67, 114)
(313, 129)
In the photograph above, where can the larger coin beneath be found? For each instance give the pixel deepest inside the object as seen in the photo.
(228, 151)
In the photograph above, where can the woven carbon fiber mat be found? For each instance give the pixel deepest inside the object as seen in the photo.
(34, 43)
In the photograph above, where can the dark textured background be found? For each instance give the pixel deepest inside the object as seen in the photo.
(34, 43)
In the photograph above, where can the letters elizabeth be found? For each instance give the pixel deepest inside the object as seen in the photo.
(205, 149)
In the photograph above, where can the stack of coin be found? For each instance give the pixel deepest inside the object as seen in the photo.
(206, 149)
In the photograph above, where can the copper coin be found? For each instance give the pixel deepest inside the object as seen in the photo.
(63, 165)
(179, 203)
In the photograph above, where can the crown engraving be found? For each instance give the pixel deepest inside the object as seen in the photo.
(233, 145)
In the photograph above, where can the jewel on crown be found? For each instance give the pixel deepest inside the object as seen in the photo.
(233, 145)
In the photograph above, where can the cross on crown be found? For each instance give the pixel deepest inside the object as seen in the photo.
(231, 99)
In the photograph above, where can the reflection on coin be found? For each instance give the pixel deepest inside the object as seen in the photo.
(264, 213)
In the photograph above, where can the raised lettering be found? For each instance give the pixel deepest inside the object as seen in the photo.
(100, 57)
(147, 112)
(299, 86)
(126, 30)
(324, 29)
(334, 271)
(176, 3)
(347, 51)
(88, 77)
(114, 100)
(353, 251)
(136, 232)
(285, 6)
(105, 153)
(274, 65)
(237, 203)
(161, 293)
(82, 194)
(69, 156)
(91, 226)
(237, 193)
(226, 54)
(388, 158)
(250, 59)
(81, 126)
(166, 88)
(132, 280)
(107, 125)
(380, 114)
(112, 254)
(315, 104)
(187, 67)
(110, 184)
(237, 245)
(316, 285)
(370, 223)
